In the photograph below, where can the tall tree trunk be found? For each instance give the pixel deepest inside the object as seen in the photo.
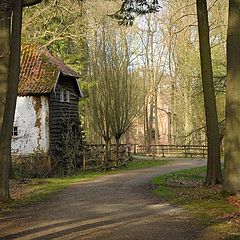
(232, 131)
(146, 129)
(13, 77)
(169, 127)
(145, 122)
(172, 131)
(156, 115)
(117, 139)
(154, 82)
(127, 137)
(107, 155)
(150, 126)
(5, 26)
(214, 175)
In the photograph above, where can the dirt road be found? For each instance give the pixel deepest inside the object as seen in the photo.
(113, 207)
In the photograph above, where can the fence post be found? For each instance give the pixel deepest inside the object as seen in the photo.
(135, 149)
(205, 151)
(185, 151)
(163, 151)
(129, 150)
(153, 152)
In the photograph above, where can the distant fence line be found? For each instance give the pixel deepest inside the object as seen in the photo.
(94, 155)
(172, 150)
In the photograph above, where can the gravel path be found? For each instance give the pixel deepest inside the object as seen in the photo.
(113, 207)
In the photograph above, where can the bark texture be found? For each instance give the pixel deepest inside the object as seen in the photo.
(232, 131)
(14, 72)
(5, 26)
(5, 21)
(214, 174)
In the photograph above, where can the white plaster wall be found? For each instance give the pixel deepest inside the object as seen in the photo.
(32, 120)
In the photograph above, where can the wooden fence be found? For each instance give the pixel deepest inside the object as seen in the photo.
(94, 156)
(172, 150)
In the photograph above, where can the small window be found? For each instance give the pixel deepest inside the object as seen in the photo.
(62, 96)
(67, 96)
(15, 131)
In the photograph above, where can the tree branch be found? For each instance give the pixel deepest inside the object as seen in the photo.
(28, 3)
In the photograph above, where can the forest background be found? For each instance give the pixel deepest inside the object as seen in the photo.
(159, 51)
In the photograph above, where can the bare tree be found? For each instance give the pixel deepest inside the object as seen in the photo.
(98, 91)
(114, 95)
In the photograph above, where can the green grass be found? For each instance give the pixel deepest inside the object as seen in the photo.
(232, 238)
(210, 206)
(140, 164)
(40, 189)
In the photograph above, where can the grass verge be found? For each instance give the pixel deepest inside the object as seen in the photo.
(213, 208)
(25, 191)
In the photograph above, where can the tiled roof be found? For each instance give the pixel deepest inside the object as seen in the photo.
(40, 70)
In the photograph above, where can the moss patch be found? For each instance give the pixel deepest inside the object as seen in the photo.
(210, 206)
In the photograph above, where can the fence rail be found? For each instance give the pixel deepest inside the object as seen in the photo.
(172, 150)
(94, 156)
